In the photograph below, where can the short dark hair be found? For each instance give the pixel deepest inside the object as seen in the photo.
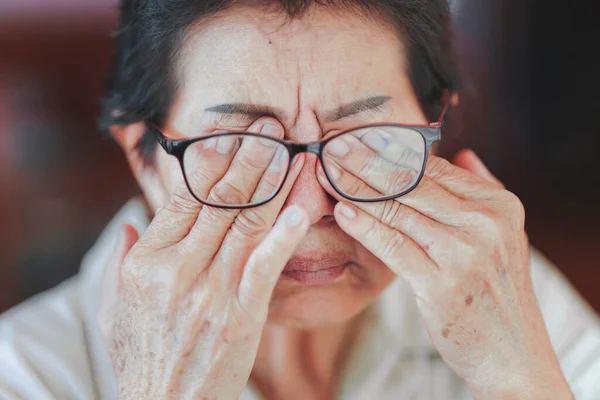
(141, 86)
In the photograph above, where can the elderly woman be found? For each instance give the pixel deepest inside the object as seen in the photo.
(284, 149)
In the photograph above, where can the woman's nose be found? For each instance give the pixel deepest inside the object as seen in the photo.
(308, 193)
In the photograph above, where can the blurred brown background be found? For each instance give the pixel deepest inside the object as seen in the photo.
(530, 109)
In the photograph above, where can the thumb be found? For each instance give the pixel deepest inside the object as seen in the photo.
(269, 258)
(467, 159)
(128, 236)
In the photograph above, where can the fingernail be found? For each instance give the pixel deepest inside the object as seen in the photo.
(272, 131)
(280, 158)
(293, 216)
(209, 143)
(334, 171)
(337, 147)
(376, 140)
(225, 144)
(347, 211)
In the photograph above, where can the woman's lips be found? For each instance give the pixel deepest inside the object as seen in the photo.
(315, 271)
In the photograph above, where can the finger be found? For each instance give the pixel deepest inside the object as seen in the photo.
(370, 171)
(268, 260)
(390, 176)
(251, 165)
(399, 252)
(399, 146)
(429, 199)
(433, 236)
(174, 221)
(205, 163)
(249, 228)
(459, 181)
(467, 159)
(250, 162)
(111, 284)
(385, 163)
(254, 223)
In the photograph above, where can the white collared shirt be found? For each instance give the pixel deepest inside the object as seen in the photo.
(51, 348)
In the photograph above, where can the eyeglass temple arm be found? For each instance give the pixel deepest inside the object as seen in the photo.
(165, 143)
(447, 105)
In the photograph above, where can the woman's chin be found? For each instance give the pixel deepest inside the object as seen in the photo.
(313, 313)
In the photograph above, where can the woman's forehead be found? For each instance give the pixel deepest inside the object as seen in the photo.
(321, 60)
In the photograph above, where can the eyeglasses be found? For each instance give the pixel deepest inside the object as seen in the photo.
(369, 163)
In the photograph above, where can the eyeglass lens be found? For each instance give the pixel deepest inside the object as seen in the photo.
(375, 162)
(235, 169)
(367, 163)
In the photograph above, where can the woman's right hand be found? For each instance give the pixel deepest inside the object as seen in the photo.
(183, 309)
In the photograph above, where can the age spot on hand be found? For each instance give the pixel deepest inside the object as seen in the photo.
(469, 300)
(446, 330)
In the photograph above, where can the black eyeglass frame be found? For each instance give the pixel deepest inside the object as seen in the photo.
(430, 132)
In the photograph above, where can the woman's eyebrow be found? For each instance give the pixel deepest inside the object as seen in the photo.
(256, 110)
(246, 110)
(356, 107)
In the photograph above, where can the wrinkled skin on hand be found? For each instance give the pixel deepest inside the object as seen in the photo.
(182, 311)
(458, 239)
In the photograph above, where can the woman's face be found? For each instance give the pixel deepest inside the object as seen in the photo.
(306, 69)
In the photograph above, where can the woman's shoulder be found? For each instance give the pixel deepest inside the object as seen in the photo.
(50, 345)
(572, 324)
(557, 297)
(43, 347)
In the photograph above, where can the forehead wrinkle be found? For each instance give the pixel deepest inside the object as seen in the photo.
(312, 69)
(240, 84)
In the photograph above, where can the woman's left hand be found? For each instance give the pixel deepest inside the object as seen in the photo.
(458, 239)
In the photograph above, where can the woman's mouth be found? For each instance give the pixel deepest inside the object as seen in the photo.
(315, 271)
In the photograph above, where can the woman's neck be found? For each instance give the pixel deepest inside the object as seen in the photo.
(300, 364)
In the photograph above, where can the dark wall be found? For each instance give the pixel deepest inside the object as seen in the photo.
(60, 181)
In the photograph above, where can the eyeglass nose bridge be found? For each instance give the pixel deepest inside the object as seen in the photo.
(297, 148)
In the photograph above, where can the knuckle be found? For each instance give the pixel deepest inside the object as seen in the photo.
(130, 275)
(182, 202)
(366, 168)
(251, 224)
(355, 188)
(397, 181)
(216, 215)
(143, 275)
(269, 183)
(517, 209)
(253, 163)
(437, 166)
(392, 245)
(490, 218)
(199, 175)
(470, 213)
(491, 222)
(467, 252)
(413, 159)
(392, 211)
(226, 193)
(452, 285)
(372, 232)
